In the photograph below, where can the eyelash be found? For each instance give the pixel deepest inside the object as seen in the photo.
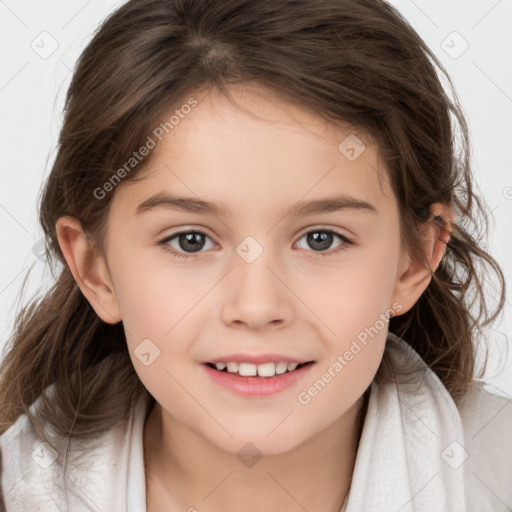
(321, 254)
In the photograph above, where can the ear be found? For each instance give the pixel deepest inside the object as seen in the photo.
(89, 269)
(414, 274)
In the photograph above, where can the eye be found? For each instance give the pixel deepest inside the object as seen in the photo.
(192, 241)
(322, 239)
(185, 243)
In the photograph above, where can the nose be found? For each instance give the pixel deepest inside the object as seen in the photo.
(257, 295)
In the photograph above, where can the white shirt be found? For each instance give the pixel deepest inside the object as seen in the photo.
(417, 452)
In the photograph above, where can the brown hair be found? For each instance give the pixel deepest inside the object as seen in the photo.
(350, 61)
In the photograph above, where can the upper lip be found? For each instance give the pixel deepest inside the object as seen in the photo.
(257, 359)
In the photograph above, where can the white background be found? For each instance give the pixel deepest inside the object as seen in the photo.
(32, 92)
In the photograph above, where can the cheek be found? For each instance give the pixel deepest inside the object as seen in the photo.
(160, 327)
(154, 295)
(159, 307)
(353, 294)
(356, 311)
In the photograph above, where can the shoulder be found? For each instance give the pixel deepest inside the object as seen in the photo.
(486, 416)
(33, 475)
(27, 465)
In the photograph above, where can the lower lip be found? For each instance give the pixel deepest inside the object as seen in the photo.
(257, 386)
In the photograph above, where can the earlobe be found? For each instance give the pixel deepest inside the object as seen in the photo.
(88, 268)
(415, 275)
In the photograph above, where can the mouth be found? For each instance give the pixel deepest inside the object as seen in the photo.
(264, 376)
(260, 371)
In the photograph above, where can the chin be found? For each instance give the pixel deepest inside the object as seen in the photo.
(258, 443)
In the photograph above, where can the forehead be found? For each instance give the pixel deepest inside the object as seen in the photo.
(260, 148)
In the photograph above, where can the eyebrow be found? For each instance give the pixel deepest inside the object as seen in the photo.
(193, 205)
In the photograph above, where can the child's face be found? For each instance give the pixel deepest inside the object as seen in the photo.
(300, 297)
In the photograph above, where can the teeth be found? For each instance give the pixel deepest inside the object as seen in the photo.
(266, 370)
(232, 367)
(262, 370)
(281, 368)
(247, 369)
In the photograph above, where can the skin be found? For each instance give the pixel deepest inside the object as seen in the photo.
(293, 299)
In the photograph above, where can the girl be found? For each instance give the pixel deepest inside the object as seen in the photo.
(272, 283)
